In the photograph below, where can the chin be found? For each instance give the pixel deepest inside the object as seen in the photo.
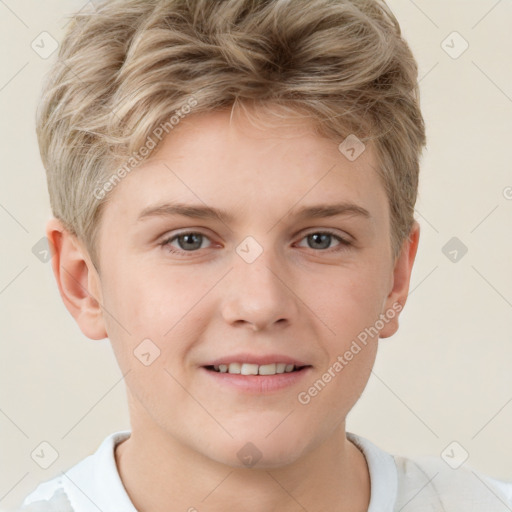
(256, 451)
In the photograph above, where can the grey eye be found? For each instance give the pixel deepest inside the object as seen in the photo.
(191, 241)
(320, 240)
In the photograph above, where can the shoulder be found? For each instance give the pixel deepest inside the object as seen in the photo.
(85, 484)
(431, 482)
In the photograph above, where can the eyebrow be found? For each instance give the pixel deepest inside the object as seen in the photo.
(207, 212)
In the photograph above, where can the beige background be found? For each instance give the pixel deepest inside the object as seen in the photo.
(445, 376)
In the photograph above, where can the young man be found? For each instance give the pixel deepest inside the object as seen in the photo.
(233, 185)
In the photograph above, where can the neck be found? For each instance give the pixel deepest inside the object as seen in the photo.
(162, 475)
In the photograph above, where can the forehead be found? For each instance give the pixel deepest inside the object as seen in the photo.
(229, 163)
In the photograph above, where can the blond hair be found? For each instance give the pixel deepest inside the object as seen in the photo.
(125, 69)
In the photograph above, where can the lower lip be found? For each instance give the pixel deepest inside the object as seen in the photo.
(258, 383)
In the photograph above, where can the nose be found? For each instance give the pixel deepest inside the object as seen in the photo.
(259, 294)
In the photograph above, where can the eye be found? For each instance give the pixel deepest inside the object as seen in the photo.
(191, 241)
(322, 240)
(188, 241)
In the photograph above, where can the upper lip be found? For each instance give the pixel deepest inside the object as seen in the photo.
(256, 359)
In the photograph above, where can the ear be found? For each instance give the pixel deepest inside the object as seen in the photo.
(397, 297)
(77, 278)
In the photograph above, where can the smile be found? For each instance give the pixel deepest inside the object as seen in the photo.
(254, 369)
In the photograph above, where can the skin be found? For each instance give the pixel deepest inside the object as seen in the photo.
(304, 299)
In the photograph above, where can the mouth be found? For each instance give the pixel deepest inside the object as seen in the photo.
(256, 369)
(257, 379)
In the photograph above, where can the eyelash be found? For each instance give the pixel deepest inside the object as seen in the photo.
(343, 245)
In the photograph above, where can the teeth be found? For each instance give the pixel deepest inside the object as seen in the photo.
(267, 369)
(235, 368)
(280, 367)
(254, 369)
(249, 369)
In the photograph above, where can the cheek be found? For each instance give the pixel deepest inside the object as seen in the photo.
(352, 314)
(160, 306)
(353, 302)
(148, 301)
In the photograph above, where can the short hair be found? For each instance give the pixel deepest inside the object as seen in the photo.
(128, 67)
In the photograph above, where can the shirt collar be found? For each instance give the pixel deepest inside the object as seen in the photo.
(383, 474)
(109, 492)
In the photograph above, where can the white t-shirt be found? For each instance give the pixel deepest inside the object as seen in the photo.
(424, 484)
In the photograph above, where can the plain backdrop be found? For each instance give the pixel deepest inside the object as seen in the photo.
(444, 377)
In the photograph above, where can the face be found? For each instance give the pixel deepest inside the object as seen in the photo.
(291, 267)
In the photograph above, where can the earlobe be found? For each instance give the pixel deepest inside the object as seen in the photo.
(77, 280)
(397, 297)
